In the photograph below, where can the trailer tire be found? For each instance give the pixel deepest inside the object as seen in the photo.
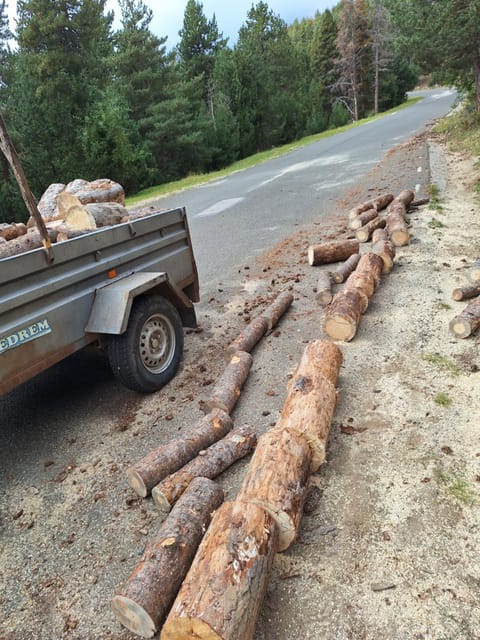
(148, 354)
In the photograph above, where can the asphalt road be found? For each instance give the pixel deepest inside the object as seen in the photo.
(240, 216)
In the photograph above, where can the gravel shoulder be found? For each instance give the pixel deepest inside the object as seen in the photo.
(388, 547)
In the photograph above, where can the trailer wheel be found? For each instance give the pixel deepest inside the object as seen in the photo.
(147, 355)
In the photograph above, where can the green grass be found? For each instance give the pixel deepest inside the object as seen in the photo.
(443, 399)
(443, 306)
(455, 485)
(251, 161)
(442, 362)
(435, 224)
(434, 192)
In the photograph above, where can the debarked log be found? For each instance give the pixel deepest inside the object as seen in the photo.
(143, 603)
(208, 464)
(277, 480)
(249, 337)
(332, 251)
(311, 397)
(228, 388)
(221, 596)
(161, 462)
(468, 321)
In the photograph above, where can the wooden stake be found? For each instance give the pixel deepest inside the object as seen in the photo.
(364, 233)
(221, 596)
(468, 321)
(465, 293)
(143, 603)
(277, 479)
(227, 390)
(275, 311)
(161, 462)
(345, 269)
(324, 293)
(208, 464)
(249, 337)
(333, 251)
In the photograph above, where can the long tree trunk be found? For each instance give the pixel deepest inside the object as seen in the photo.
(228, 388)
(221, 596)
(476, 73)
(143, 602)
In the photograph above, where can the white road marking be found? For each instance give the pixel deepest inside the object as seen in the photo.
(417, 188)
(419, 170)
(219, 207)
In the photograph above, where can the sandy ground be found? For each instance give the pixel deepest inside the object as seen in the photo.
(388, 546)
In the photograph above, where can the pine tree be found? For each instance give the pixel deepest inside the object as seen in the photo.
(381, 35)
(323, 55)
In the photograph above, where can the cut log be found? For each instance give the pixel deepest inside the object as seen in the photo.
(275, 311)
(418, 203)
(406, 197)
(311, 397)
(363, 281)
(28, 242)
(397, 227)
(474, 272)
(65, 233)
(344, 313)
(324, 293)
(161, 462)
(12, 230)
(143, 603)
(47, 205)
(101, 190)
(277, 478)
(221, 596)
(465, 293)
(208, 464)
(345, 269)
(379, 234)
(386, 250)
(332, 251)
(249, 337)
(106, 214)
(377, 203)
(228, 388)
(141, 213)
(362, 219)
(74, 213)
(468, 321)
(365, 233)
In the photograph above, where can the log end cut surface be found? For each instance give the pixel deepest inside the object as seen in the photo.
(133, 617)
(136, 482)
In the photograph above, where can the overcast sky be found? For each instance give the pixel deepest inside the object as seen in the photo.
(168, 14)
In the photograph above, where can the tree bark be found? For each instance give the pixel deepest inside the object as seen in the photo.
(208, 464)
(343, 314)
(476, 75)
(397, 227)
(365, 233)
(221, 596)
(143, 603)
(465, 293)
(28, 242)
(344, 270)
(277, 479)
(311, 397)
(228, 388)
(12, 230)
(161, 462)
(406, 197)
(324, 293)
(377, 203)
(106, 214)
(65, 233)
(275, 311)
(141, 213)
(468, 321)
(362, 219)
(333, 251)
(379, 234)
(386, 250)
(249, 337)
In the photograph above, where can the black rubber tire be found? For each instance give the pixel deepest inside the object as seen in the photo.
(147, 355)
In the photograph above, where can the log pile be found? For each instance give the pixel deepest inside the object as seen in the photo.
(222, 593)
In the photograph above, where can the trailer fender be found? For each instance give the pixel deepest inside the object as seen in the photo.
(113, 302)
